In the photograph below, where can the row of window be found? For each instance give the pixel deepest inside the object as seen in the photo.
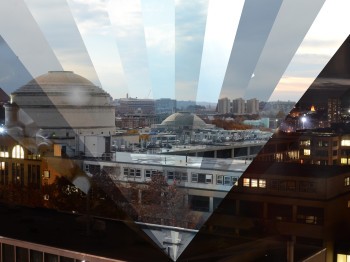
(18, 174)
(324, 143)
(183, 176)
(254, 182)
(293, 186)
(283, 185)
(17, 152)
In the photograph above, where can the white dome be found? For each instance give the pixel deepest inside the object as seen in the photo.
(61, 100)
(184, 120)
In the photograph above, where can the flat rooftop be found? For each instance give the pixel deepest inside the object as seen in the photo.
(183, 161)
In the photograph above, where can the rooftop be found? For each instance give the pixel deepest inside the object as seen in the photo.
(180, 161)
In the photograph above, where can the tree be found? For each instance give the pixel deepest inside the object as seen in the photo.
(163, 203)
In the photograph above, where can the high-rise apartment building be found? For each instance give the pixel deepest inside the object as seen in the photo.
(238, 106)
(252, 106)
(224, 106)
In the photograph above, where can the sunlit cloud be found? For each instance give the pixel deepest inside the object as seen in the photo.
(96, 31)
(291, 88)
(60, 30)
(281, 45)
(325, 36)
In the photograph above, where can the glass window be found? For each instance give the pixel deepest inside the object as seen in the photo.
(227, 181)
(219, 179)
(246, 182)
(262, 183)
(344, 161)
(235, 181)
(307, 152)
(170, 175)
(126, 171)
(184, 177)
(148, 173)
(345, 142)
(4, 151)
(194, 178)
(18, 152)
(254, 183)
(138, 173)
(209, 179)
(305, 142)
(347, 181)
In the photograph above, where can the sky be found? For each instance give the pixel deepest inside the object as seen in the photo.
(187, 50)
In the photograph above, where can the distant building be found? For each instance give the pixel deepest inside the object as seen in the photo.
(238, 106)
(224, 106)
(263, 122)
(274, 107)
(135, 106)
(165, 106)
(252, 106)
(333, 110)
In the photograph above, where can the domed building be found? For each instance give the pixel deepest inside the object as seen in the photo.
(61, 105)
(183, 121)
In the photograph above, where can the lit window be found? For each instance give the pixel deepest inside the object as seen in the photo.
(4, 151)
(344, 161)
(246, 182)
(254, 183)
(18, 152)
(345, 142)
(305, 142)
(347, 181)
(307, 152)
(343, 258)
(262, 183)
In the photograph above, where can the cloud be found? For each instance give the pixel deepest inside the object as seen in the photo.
(59, 27)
